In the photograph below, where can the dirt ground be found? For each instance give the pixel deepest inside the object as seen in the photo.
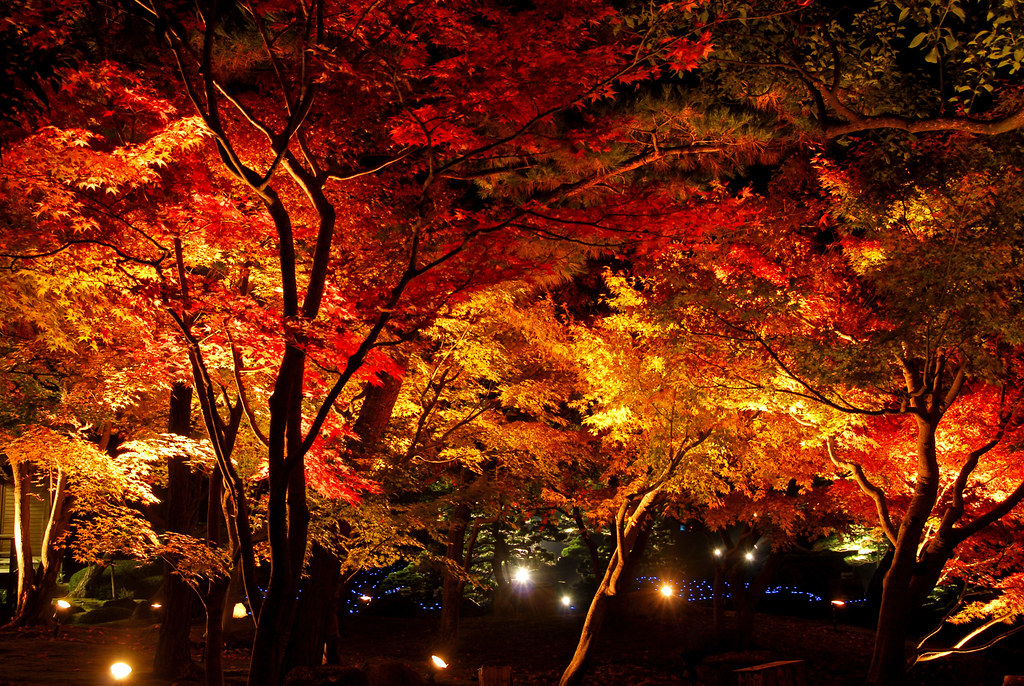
(673, 648)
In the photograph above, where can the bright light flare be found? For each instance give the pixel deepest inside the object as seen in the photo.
(838, 603)
(156, 606)
(667, 590)
(239, 611)
(365, 598)
(438, 662)
(719, 552)
(566, 600)
(522, 576)
(750, 556)
(120, 671)
(63, 605)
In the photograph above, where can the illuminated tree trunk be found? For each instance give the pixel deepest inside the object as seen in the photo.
(889, 657)
(36, 586)
(631, 539)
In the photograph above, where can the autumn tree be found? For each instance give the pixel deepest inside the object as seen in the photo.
(886, 317)
(358, 130)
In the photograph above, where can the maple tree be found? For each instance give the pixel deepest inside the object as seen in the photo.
(354, 169)
(370, 198)
(886, 318)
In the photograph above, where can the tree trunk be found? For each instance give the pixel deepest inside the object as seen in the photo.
(214, 598)
(173, 656)
(317, 603)
(630, 544)
(718, 601)
(287, 523)
(36, 586)
(453, 576)
(588, 540)
(747, 598)
(889, 658)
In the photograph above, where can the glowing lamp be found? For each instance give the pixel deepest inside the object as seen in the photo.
(63, 605)
(120, 671)
(667, 590)
(750, 556)
(365, 598)
(239, 611)
(156, 606)
(719, 552)
(438, 662)
(838, 603)
(522, 576)
(566, 600)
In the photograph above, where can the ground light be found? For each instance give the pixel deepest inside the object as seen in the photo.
(439, 665)
(836, 604)
(120, 671)
(667, 590)
(60, 614)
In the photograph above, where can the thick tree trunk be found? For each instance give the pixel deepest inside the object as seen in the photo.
(889, 658)
(317, 603)
(453, 576)
(173, 656)
(287, 524)
(629, 549)
(214, 598)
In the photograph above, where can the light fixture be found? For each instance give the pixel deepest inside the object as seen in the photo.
(750, 556)
(438, 662)
(667, 590)
(63, 605)
(719, 552)
(522, 576)
(566, 600)
(239, 611)
(120, 671)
